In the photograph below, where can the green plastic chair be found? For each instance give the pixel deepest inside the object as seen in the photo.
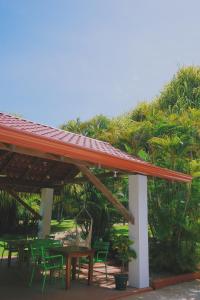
(42, 260)
(101, 254)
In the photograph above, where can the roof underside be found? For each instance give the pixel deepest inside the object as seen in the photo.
(34, 172)
(25, 173)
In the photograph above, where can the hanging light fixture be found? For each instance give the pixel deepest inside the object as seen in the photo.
(115, 174)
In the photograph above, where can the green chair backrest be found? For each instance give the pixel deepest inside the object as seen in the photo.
(36, 252)
(40, 247)
(55, 243)
(101, 246)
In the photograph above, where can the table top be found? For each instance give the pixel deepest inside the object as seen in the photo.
(19, 243)
(72, 250)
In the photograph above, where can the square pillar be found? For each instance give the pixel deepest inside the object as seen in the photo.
(45, 212)
(139, 267)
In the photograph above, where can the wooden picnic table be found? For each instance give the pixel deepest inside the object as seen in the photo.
(71, 254)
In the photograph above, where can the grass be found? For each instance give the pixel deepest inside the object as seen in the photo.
(64, 225)
(121, 229)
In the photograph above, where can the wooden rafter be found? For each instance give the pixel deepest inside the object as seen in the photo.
(52, 166)
(6, 162)
(23, 182)
(103, 189)
(83, 179)
(31, 152)
(26, 172)
(49, 183)
(18, 199)
(71, 174)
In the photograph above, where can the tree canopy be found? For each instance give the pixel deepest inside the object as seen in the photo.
(165, 132)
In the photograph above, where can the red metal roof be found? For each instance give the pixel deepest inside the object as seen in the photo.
(36, 136)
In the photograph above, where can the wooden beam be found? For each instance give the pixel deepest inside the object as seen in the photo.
(30, 183)
(20, 188)
(103, 189)
(48, 156)
(18, 199)
(27, 189)
(83, 179)
(48, 183)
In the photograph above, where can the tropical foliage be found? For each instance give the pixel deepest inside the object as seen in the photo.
(165, 132)
(14, 217)
(125, 253)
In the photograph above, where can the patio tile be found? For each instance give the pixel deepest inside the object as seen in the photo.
(14, 286)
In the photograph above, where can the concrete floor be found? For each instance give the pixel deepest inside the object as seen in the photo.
(183, 291)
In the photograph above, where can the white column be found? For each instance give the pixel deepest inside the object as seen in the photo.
(45, 212)
(139, 267)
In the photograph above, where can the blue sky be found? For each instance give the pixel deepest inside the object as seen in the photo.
(64, 59)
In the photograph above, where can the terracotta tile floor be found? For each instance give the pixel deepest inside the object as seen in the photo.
(99, 276)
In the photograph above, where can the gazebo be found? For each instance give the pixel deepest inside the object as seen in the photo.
(38, 158)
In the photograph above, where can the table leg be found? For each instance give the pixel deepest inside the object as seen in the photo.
(74, 264)
(68, 271)
(9, 257)
(90, 268)
(20, 255)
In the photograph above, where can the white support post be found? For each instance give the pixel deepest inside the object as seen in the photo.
(139, 267)
(45, 212)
